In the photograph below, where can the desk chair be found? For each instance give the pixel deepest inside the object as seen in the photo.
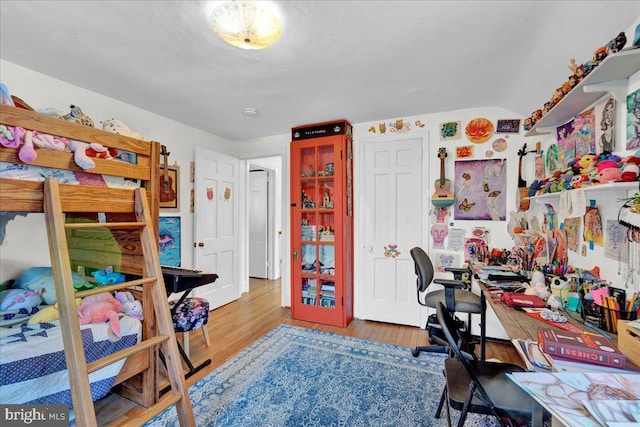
(456, 296)
(478, 386)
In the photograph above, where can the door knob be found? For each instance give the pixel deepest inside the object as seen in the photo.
(201, 244)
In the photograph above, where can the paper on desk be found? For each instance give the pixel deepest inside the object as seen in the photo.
(614, 413)
(562, 393)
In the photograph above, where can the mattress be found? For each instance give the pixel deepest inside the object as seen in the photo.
(33, 367)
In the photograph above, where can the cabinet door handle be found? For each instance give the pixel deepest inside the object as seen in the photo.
(295, 256)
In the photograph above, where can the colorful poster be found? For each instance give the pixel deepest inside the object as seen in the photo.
(566, 144)
(169, 240)
(585, 132)
(572, 230)
(633, 120)
(480, 194)
(592, 229)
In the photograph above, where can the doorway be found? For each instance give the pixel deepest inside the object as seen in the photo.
(264, 217)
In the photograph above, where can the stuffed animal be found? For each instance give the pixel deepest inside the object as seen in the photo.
(80, 155)
(608, 172)
(76, 115)
(108, 276)
(48, 314)
(35, 278)
(538, 286)
(130, 306)
(117, 126)
(101, 308)
(15, 299)
(5, 96)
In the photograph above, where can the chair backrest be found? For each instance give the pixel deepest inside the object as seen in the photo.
(462, 349)
(424, 268)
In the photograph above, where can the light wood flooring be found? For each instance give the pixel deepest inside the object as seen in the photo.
(234, 326)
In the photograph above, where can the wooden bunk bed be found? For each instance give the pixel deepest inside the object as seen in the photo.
(89, 227)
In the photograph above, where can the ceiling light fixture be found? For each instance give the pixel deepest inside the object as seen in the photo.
(251, 112)
(246, 24)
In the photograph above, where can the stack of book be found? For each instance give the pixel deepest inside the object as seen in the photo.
(575, 352)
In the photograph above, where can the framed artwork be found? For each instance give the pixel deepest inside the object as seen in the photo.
(464, 152)
(450, 130)
(633, 120)
(169, 240)
(480, 190)
(508, 126)
(169, 187)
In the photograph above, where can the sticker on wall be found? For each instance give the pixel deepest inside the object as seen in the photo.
(227, 194)
(391, 251)
(399, 126)
(479, 130)
(464, 152)
(419, 124)
(210, 194)
(372, 129)
(482, 196)
(446, 260)
(439, 233)
(450, 131)
(499, 145)
(488, 154)
(633, 120)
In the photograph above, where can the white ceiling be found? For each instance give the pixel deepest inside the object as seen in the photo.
(358, 60)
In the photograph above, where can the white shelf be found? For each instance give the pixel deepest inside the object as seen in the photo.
(589, 191)
(611, 76)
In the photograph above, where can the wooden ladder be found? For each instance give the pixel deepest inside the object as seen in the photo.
(59, 199)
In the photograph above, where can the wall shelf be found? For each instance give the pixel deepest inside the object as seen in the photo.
(610, 76)
(590, 191)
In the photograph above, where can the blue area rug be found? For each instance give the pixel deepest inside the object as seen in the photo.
(300, 377)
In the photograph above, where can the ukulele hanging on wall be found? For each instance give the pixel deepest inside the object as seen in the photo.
(167, 193)
(443, 195)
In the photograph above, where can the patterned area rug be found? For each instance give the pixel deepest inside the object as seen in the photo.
(300, 377)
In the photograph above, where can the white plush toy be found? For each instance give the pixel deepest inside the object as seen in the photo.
(117, 126)
(80, 156)
(538, 286)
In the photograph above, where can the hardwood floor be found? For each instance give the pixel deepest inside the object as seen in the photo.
(234, 326)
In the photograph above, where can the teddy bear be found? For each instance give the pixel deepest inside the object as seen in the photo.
(117, 126)
(101, 308)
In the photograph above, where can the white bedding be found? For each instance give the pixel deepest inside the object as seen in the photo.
(33, 368)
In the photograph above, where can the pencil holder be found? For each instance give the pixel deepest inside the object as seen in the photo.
(603, 317)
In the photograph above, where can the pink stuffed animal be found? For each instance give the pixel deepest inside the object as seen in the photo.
(101, 308)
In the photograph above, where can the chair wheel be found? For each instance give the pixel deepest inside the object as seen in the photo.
(415, 352)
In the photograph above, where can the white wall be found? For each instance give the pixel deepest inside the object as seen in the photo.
(26, 242)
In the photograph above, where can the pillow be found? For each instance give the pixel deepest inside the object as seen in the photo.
(36, 278)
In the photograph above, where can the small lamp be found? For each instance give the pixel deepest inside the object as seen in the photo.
(246, 24)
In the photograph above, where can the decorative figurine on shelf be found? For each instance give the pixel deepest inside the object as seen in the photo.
(312, 171)
(616, 44)
(306, 202)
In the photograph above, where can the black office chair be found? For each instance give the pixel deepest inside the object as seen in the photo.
(456, 296)
(478, 386)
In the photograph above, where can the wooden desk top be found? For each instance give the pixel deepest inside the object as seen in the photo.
(517, 324)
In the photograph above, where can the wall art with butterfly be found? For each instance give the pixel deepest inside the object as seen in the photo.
(480, 190)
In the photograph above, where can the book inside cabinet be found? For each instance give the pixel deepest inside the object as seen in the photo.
(322, 227)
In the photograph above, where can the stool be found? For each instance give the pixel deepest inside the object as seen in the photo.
(191, 314)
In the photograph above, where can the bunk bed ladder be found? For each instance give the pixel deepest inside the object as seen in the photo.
(78, 369)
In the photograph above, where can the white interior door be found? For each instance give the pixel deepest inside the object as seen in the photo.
(216, 227)
(258, 223)
(393, 212)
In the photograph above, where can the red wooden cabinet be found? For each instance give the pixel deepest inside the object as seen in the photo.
(322, 223)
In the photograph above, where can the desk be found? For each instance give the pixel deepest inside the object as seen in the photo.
(520, 326)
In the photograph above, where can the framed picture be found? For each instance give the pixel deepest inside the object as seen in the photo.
(169, 185)
(508, 126)
(169, 240)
